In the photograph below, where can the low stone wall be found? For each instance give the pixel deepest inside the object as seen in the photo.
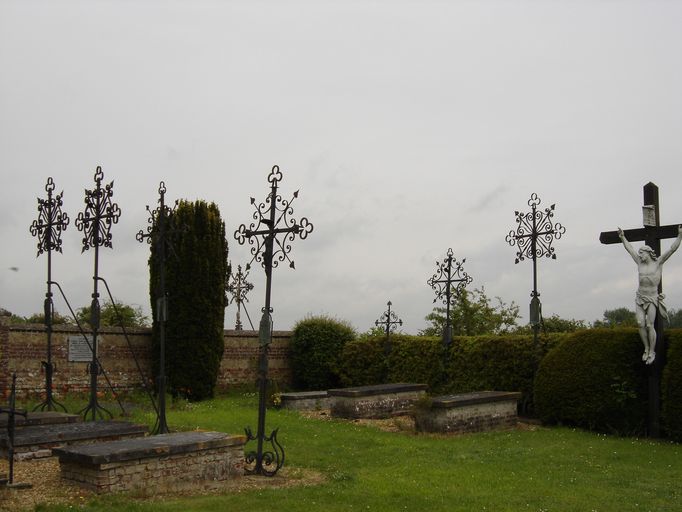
(305, 400)
(378, 401)
(177, 462)
(23, 347)
(468, 412)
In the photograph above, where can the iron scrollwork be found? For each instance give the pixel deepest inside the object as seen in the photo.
(535, 232)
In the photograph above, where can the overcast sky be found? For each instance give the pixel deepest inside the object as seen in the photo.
(410, 127)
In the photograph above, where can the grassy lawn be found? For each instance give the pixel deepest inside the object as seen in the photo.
(541, 469)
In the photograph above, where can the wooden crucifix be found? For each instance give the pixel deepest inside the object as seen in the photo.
(648, 305)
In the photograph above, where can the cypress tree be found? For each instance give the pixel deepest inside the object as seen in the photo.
(196, 268)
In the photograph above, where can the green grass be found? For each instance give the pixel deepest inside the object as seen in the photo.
(546, 469)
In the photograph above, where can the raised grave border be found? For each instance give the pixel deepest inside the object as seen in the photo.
(479, 411)
(179, 461)
(305, 400)
(40, 418)
(38, 441)
(376, 401)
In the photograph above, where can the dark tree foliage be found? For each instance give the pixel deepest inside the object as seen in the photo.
(196, 267)
(619, 317)
(556, 324)
(671, 387)
(114, 315)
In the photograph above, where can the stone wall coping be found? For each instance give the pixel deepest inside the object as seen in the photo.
(69, 432)
(146, 447)
(377, 389)
(476, 397)
(40, 418)
(303, 395)
(69, 329)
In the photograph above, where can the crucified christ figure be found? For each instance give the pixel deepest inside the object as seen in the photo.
(647, 300)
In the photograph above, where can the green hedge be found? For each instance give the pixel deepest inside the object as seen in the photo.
(315, 349)
(594, 379)
(671, 388)
(474, 363)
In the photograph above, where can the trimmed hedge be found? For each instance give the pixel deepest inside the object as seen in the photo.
(671, 387)
(594, 379)
(315, 349)
(475, 363)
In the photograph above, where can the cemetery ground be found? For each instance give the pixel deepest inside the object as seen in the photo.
(344, 465)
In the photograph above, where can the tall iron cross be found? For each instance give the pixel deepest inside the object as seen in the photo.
(442, 282)
(651, 234)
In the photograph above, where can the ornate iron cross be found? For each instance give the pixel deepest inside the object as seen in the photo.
(48, 228)
(238, 287)
(157, 235)
(272, 217)
(95, 222)
(533, 237)
(448, 272)
(388, 320)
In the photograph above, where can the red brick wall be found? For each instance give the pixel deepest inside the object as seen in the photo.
(23, 347)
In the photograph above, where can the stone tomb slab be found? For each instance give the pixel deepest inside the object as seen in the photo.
(150, 465)
(377, 401)
(479, 411)
(305, 400)
(40, 418)
(37, 441)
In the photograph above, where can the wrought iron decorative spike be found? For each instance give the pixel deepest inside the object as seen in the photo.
(449, 272)
(270, 236)
(48, 227)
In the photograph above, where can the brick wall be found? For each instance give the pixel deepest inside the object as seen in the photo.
(23, 347)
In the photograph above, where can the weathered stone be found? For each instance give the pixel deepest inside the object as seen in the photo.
(468, 412)
(305, 400)
(378, 401)
(155, 464)
(38, 440)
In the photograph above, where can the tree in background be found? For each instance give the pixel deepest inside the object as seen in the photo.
(39, 318)
(196, 268)
(113, 315)
(675, 318)
(474, 314)
(554, 324)
(619, 317)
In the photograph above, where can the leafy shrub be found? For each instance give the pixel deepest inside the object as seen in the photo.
(315, 350)
(671, 387)
(475, 363)
(362, 361)
(594, 379)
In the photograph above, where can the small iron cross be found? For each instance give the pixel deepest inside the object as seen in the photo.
(51, 221)
(448, 272)
(238, 287)
(389, 320)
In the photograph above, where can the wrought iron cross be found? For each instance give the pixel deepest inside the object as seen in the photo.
(95, 222)
(238, 287)
(448, 272)
(48, 228)
(533, 237)
(157, 234)
(272, 217)
(388, 320)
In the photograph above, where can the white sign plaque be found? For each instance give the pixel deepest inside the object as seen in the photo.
(79, 350)
(649, 214)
